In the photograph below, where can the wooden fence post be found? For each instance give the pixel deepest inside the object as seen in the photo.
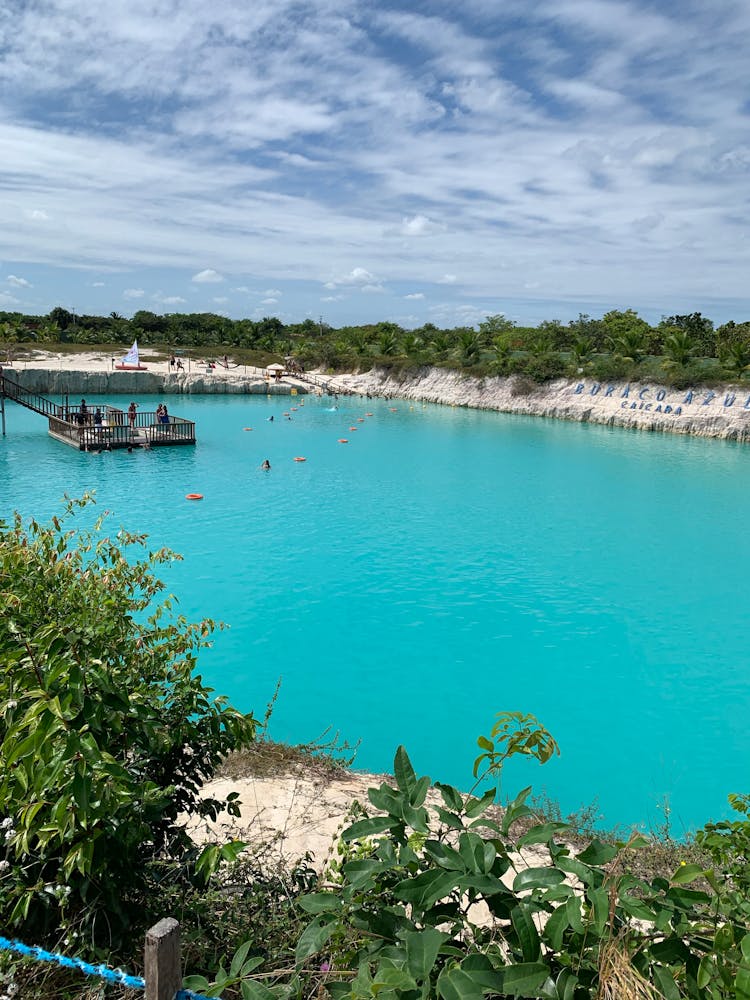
(163, 970)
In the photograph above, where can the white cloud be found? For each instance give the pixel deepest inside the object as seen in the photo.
(207, 277)
(333, 298)
(8, 300)
(97, 284)
(269, 302)
(18, 282)
(414, 295)
(418, 225)
(220, 300)
(169, 300)
(502, 143)
(358, 277)
(133, 293)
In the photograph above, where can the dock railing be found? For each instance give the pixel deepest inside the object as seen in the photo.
(116, 430)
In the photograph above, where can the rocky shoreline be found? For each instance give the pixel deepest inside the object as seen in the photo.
(699, 411)
(718, 413)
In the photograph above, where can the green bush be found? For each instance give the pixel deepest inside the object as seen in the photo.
(106, 733)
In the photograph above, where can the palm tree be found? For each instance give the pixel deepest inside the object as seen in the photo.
(469, 347)
(737, 358)
(630, 345)
(388, 343)
(582, 349)
(679, 347)
(440, 345)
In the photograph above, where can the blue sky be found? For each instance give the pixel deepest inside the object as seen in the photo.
(430, 162)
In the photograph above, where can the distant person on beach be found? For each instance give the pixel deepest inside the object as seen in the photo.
(266, 464)
(131, 416)
(172, 361)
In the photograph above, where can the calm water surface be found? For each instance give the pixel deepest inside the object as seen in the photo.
(446, 565)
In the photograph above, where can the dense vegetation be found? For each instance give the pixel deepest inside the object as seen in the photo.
(678, 350)
(107, 733)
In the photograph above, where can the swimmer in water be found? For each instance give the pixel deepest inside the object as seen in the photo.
(266, 465)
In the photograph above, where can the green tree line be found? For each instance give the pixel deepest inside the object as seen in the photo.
(620, 344)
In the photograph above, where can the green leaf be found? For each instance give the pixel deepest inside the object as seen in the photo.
(517, 809)
(742, 983)
(724, 938)
(523, 979)
(598, 853)
(665, 981)
(451, 796)
(314, 937)
(422, 948)
(706, 971)
(404, 772)
(528, 936)
(239, 957)
(252, 990)
(599, 900)
(446, 857)
(686, 874)
(475, 807)
(454, 984)
(426, 889)
(321, 902)
(573, 913)
(367, 828)
(745, 947)
(541, 833)
(537, 878)
(557, 924)
(359, 873)
(421, 789)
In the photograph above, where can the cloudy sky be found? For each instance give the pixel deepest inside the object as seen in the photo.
(423, 161)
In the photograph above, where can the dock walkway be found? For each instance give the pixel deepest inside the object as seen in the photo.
(78, 429)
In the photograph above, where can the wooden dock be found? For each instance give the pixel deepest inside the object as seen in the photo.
(114, 431)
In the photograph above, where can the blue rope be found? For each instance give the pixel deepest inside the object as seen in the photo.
(101, 971)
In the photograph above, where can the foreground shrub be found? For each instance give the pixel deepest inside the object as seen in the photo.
(106, 734)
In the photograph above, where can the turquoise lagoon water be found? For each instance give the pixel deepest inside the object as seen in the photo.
(446, 565)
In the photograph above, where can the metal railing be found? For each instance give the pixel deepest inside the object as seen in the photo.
(12, 389)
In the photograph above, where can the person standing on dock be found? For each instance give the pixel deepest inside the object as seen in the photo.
(131, 417)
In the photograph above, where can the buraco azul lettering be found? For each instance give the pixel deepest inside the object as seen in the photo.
(595, 388)
(709, 396)
(610, 390)
(644, 392)
(625, 392)
(578, 389)
(661, 394)
(730, 398)
(689, 397)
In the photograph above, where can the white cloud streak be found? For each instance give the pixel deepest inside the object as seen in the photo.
(592, 149)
